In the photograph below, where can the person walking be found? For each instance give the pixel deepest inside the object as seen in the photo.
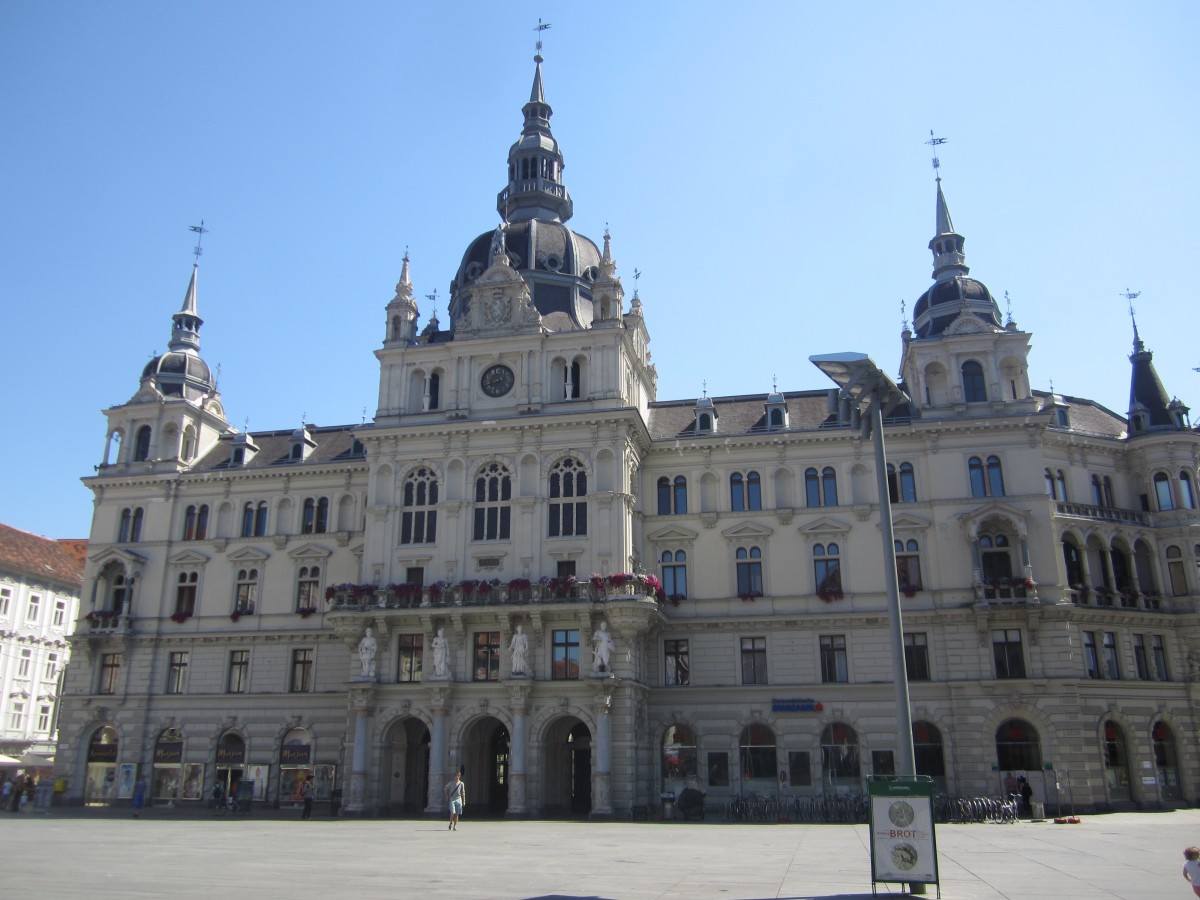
(1191, 868)
(139, 796)
(456, 793)
(306, 794)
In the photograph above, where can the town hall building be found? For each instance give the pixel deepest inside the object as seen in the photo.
(527, 568)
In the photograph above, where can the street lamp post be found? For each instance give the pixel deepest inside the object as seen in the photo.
(864, 383)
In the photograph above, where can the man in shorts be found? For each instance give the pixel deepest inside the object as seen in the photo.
(456, 793)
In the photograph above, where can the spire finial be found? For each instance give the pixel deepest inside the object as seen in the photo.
(1052, 385)
(539, 28)
(704, 386)
(1007, 309)
(432, 298)
(1130, 296)
(903, 315)
(775, 384)
(200, 231)
(637, 273)
(936, 142)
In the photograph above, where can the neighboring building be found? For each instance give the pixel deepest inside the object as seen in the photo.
(528, 568)
(39, 605)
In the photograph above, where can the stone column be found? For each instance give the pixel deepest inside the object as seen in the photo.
(602, 773)
(517, 793)
(362, 701)
(437, 755)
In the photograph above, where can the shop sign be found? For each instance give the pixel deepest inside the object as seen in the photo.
(102, 753)
(295, 755)
(796, 704)
(903, 845)
(231, 755)
(168, 752)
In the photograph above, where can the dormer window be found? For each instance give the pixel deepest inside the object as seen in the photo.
(243, 450)
(302, 445)
(706, 416)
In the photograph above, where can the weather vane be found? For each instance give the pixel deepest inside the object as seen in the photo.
(935, 142)
(637, 273)
(200, 230)
(541, 26)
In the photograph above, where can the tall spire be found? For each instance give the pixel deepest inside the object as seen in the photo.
(947, 244)
(535, 189)
(185, 328)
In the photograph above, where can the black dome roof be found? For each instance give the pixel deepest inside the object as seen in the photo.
(946, 300)
(179, 373)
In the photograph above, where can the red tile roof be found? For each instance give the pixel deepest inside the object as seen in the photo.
(41, 558)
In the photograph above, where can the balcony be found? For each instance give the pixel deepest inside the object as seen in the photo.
(1102, 513)
(518, 591)
(105, 621)
(1127, 598)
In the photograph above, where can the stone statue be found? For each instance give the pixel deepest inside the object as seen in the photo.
(441, 654)
(519, 648)
(602, 648)
(366, 654)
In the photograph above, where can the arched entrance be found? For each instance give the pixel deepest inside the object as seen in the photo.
(1167, 762)
(1116, 764)
(102, 766)
(567, 773)
(231, 761)
(406, 764)
(484, 759)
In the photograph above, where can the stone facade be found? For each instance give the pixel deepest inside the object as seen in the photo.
(520, 477)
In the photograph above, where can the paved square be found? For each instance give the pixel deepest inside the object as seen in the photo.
(168, 853)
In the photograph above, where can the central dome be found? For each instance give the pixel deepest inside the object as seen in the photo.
(947, 299)
(559, 265)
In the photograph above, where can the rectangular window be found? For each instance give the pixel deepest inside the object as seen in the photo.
(302, 672)
(34, 609)
(565, 649)
(1112, 668)
(239, 672)
(51, 667)
(1006, 648)
(1091, 659)
(16, 716)
(5, 601)
(1160, 657)
(677, 669)
(24, 663)
(246, 596)
(718, 770)
(308, 587)
(754, 660)
(60, 614)
(799, 769)
(916, 657)
(110, 671)
(1141, 662)
(177, 672)
(487, 656)
(43, 721)
(411, 653)
(834, 666)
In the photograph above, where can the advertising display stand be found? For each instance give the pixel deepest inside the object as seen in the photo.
(903, 844)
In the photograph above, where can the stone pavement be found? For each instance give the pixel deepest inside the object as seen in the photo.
(169, 853)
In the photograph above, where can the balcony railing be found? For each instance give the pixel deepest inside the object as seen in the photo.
(103, 621)
(1128, 598)
(1102, 513)
(484, 593)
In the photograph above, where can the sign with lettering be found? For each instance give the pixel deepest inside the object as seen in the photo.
(796, 704)
(903, 846)
(295, 755)
(232, 754)
(168, 752)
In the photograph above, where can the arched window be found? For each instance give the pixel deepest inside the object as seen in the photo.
(315, 518)
(493, 498)
(434, 391)
(987, 482)
(1073, 562)
(704, 422)
(674, 574)
(571, 376)
(758, 753)
(141, 444)
(995, 477)
(679, 753)
(1097, 491)
(745, 493)
(246, 592)
(749, 572)
(1187, 496)
(418, 518)
(260, 519)
(974, 389)
(568, 503)
(1176, 573)
(1049, 476)
(820, 490)
(1116, 763)
(1017, 747)
(927, 752)
(840, 757)
(672, 496)
(827, 571)
(776, 419)
(195, 523)
(1162, 491)
(126, 522)
(308, 587)
(1061, 479)
(902, 484)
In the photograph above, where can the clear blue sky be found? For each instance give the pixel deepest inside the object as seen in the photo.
(762, 164)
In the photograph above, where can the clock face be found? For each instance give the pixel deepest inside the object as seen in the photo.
(497, 380)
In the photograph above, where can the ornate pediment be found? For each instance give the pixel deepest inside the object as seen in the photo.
(188, 557)
(746, 531)
(824, 526)
(248, 554)
(310, 551)
(672, 534)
